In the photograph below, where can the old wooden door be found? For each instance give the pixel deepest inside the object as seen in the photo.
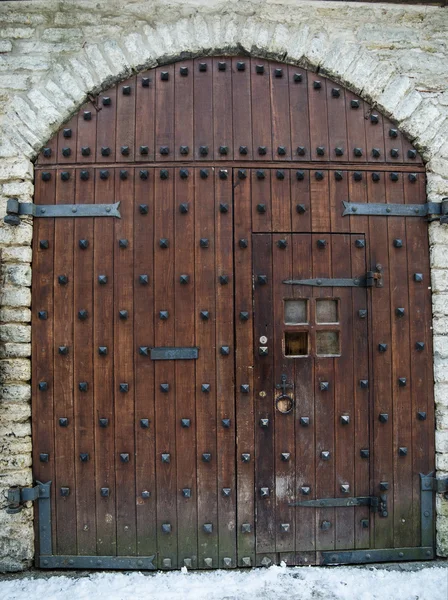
(163, 339)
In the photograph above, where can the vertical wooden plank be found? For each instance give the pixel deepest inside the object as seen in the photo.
(225, 368)
(300, 201)
(261, 200)
(261, 109)
(185, 370)
(83, 369)
(299, 115)
(103, 336)
(145, 88)
(106, 126)
(280, 199)
(164, 113)
(44, 414)
(317, 102)
(381, 365)
(401, 395)
(410, 154)
(356, 136)
(339, 149)
(263, 391)
(241, 109)
(244, 357)
(203, 109)
(165, 408)
(222, 108)
(86, 146)
(142, 315)
(49, 153)
(67, 139)
(124, 366)
(206, 393)
(183, 110)
(125, 134)
(393, 142)
(281, 124)
(374, 128)
(304, 410)
(63, 368)
(362, 397)
(421, 368)
(284, 424)
(320, 201)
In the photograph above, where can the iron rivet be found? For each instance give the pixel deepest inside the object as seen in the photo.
(87, 115)
(202, 67)
(354, 104)
(241, 66)
(338, 175)
(259, 69)
(262, 150)
(144, 423)
(183, 71)
(297, 77)
(301, 150)
(243, 150)
(143, 174)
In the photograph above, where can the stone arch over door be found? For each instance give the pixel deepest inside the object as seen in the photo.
(162, 358)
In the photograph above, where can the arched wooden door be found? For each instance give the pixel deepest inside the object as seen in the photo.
(238, 370)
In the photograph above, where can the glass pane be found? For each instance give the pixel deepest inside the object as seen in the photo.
(296, 312)
(326, 311)
(296, 343)
(327, 343)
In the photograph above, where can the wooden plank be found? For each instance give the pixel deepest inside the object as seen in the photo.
(401, 396)
(381, 366)
(67, 139)
(299, 116)
(183, 110)
(225, 370)
(339, 149)
(43, 412)
(106, 126)
(203, 109)
(281, 199)
(83, 277)
(103, 335)
(305, 430)
(410, 155)
(284, 424)
(244, 360)
(392, 141)
(63, 369)
(300, 200)
(124, 367)
(206, 280)
(185, 370)
(281, 124)
(263, 391)
(86, 146)
(261, 199)
(356, 135)
(317, 103)
(320, 201)
(51, 155)
(143, 316)
(374, 128)
(165, 408)
(241, 109)
(145, 89)
(164, 113)
(261, 109)
(222, 108)
(125, 124)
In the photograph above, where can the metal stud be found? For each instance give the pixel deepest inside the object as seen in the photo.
(345, 419)
(266, 561)
(364, 453)
(345, 488)
(102, 350)
(164, 76)
(223, 150)
(144, 423)
(362, 313)
(44, 457)
(123, 174)
(104, 422)
(223, 173)
(202, 67)
(84, 457)
(320, 150)
(304, 421)
(301, 150)
(166, 458)
(242, 173)
(208, 528)
(325, 455)
(393, 133)
(262, 150)
(398, 243)
(204, 314)
(146, 494)
(83, 314)
(317, 85)
(206, 457)
(383, 417)
(282, 244)
(244, 315)
(399, 312)
(105, 151)
(83, 386)
(364, 384)
(62, 279)
(245, 388)
(374, 119)
(124, 388)
(402, 451)
(260, 174)
(280, 174)
(394, 153)
(185, 423)
(412, 177)
(45, 176)
(87, 115)
(223, 208)
(245, 457)
(44, 244)
(301, 209)
(43, 315)
(223, 279)
(262, 279)
(183, 71)
(354, 104)
(259, 69)
(297, 77)
(335, 92)
(85, 151)
(166, 563)
(246, 528)
(243, 150)
(106, 101)
(205, 388)
(143, 174)
(319, 175)
(324, 386)
(402, 381)
(184, 279)
(166, 528)
(360, 243)
(63, 350)
(243, 243)
(285, 527)
(123, 243)
(241, 66)
(278, 72)
(384, 486)
(382, 347)
(418, 277)
(66, 152)
(143, 350)
(264, 423)
(264, 492)
(165, 387)
(285, 456)
(184, 208)
(186, 492)
(203, 150)
(325, 525)
(164, 174)
(281, 151)
(126, 89)
(64, 491)
(203, 173)
(225, 350)
(419, 346)
(357, 152)
(306, 490)
(144, 150)
(339, 151)
(376, 176)
(184, 150)
(164, 243)
(357, 176)
(261, 208)
(208, 562)
(421, 415)
(338, 175)
(102, 279)
(143, 279)
(104, 174)
(225, 423)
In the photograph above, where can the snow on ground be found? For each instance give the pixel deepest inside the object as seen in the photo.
(275, 583)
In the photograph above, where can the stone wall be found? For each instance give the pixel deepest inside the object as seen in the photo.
(55, 52)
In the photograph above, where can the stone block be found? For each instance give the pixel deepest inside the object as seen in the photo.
(441, 346)
(18, 254)
(14, 350)
(16, 33)
(5, 46)
(15, 392)
(15, 296)
(13, 332)
(15, 369)
(63, 34)
(441, 394)
(14, 82)
(16, 274)
(442, 441)
(15, 168)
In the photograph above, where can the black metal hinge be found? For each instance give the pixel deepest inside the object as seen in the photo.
(377, 504)
(438, 209)
(370, 279)
(17, 496)
(431, 483)
(14, 209)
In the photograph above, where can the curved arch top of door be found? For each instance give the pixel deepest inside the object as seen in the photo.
(236, 372)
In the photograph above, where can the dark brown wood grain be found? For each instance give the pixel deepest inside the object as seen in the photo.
(125, 135)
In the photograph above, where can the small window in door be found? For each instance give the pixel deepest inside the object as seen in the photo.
(296, 312)
(327, 310)
(327, 343)
(296, 343)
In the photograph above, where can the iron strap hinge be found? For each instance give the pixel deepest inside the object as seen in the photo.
(17, 496)
(377, 504)
(398, 210)
(14, 209)
(370, 279)
(431, 483)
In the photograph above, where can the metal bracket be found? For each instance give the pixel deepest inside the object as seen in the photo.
(398, 210)
(377, 504)
(14, 208)
(17, 496)
(174, 353)
(370, 279)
